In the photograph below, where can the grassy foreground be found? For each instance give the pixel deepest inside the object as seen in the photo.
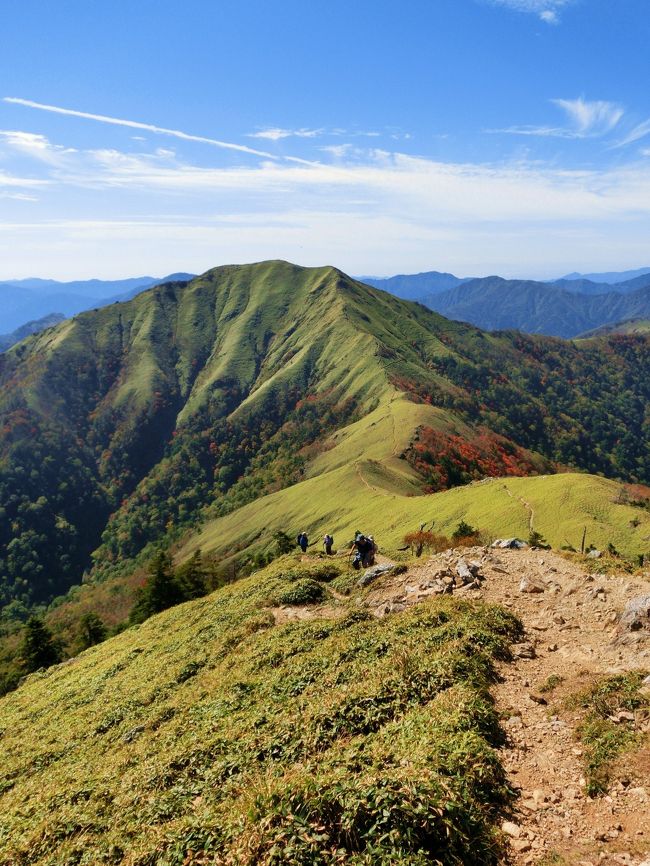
(209, 734)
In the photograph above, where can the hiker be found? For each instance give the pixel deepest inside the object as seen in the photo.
(302, 541)
(364, 549)
(328, 541)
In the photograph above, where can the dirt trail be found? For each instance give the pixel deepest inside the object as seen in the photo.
(529, 508)
(571, 634)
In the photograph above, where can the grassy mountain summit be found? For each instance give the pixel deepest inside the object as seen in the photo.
(133, 423)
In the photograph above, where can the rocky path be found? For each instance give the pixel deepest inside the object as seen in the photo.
(571, 621)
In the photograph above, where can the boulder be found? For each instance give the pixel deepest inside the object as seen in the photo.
(371, 574)
(513, 543)
(636, 615)
(464, 572)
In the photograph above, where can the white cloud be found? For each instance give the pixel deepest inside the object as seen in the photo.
(18, 196)
(396, 183)
(586, 120)
(34, 145)
(366, 210)
(546, 10)
(338, 151)
(276, 134)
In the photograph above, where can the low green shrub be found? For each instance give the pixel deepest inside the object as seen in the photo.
(303, 591)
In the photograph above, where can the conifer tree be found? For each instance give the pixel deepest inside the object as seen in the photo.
(160, 590)
(191, 578)
(92, 631)
(38, 649)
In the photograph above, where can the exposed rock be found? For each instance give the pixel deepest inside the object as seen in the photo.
(464, 572)
(636, 615)
(521, 845)
(531, 585)
(371, 574)
(505, 543)
(475, 584)
(511, 829)
(523, 651)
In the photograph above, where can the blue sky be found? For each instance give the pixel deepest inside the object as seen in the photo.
(475, 136)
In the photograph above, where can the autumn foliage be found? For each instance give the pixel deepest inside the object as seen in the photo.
(447, 460)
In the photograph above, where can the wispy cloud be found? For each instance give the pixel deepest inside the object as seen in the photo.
(586, 120)
(10, 180)
(591, 118)
(546, 10)
(636, 134)
(134, 124)
(276, 133)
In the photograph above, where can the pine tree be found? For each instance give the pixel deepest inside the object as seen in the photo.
(92, 631)
(160, 590)
(38, 649)
(191, 578)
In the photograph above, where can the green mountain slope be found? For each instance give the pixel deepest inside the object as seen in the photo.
(368, 495)
(134, 423)
(211, 734)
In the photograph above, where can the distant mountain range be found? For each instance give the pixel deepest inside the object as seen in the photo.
(412, 287)
(494, 304)
(610, 277)
(567, 307)
(28, 300)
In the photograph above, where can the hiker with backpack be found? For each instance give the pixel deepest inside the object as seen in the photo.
(328, 541)
(302, 541)
(364, 551)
